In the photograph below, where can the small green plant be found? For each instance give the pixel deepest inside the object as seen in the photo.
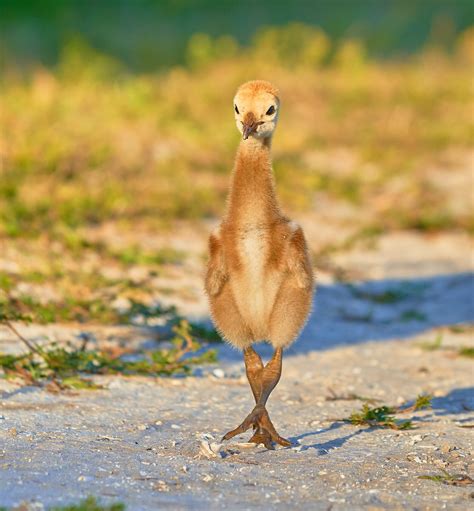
(65, 367)
(89, 504)
(384, 416)
(380, 416)
(388, 296)
(450, 479)
(412, 315)
(422, 402)
(463, 351)
(432, 345)
(466, 352)
(458, 329)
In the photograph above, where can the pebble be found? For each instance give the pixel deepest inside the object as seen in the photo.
(161, 486)
(210, 449)
(445, 448)
(415, 439)
(218, 373)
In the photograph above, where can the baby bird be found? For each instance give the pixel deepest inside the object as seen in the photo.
(259, 279)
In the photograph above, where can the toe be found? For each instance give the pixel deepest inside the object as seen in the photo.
(261, 436)
(282, 441)
(267, 424)
(249, 420)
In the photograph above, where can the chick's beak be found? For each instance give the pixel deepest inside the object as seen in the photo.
(249, 125)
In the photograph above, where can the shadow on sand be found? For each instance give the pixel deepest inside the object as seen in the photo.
(346, 314)
(457, 402)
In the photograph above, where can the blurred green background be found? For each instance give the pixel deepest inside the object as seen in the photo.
(149, 34)
(117, 125)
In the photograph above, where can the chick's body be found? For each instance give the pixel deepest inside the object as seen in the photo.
(259, 278)
(266, 287)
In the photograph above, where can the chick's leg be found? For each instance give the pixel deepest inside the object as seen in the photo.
(262, 379)
(254, 368)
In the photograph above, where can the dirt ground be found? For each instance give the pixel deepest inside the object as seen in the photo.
(154, 443)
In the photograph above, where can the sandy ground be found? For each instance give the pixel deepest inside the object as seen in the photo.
(154, 443)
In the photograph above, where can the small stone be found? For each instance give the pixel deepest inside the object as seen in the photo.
(415, 439)
(445, 448)
(218, 373)
(121, 304)
(210, 449)
(161, 486)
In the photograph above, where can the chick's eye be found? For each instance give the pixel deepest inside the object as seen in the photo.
(236, 109)
(271, 110)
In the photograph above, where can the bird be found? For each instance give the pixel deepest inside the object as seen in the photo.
(259, 279)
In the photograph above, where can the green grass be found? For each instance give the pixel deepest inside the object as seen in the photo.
(466, 352)
(162, 145)
(432, 345)
(156, 150)
(412, 315)
(449, 479)
(89, 504)
(96, 307)
(396, 294)
(385, 416)
(437, 345)
(67, 367)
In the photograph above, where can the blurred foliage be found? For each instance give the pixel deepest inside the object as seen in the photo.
(87, 146)
(88, 142)
(147, 34)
